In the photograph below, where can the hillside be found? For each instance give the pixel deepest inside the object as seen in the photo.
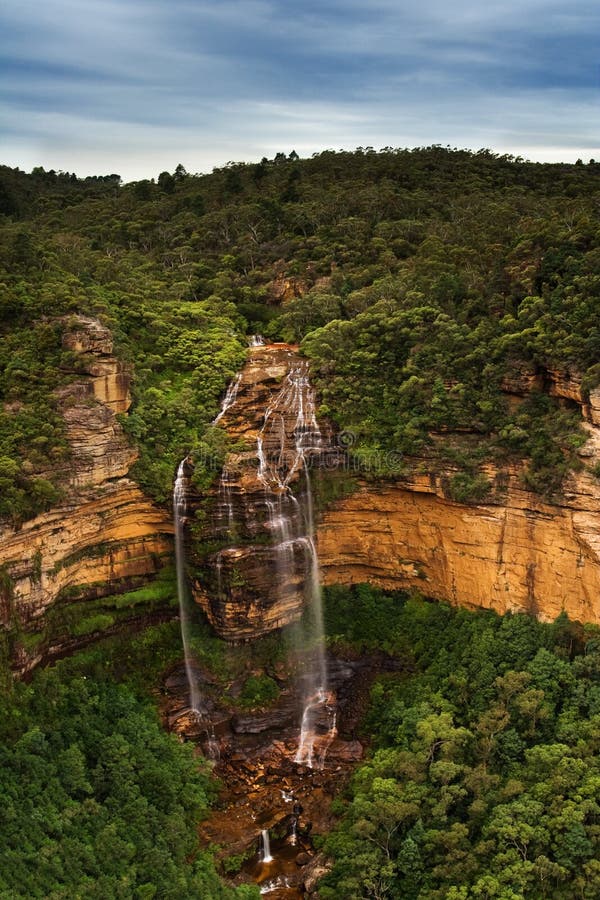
(418, 421)
(435, 274)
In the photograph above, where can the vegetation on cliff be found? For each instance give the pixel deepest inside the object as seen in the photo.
(422, 285)
(483, 780)
(417, 281)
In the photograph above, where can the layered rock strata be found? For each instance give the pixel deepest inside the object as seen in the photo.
(253, 577)
(105, 536)
(517, 553)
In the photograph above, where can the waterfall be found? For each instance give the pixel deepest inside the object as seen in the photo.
(225, 504)
(268, 492)
(291, 523)
(179, 514)
(265, 852)
(256, 340)
(230, 397)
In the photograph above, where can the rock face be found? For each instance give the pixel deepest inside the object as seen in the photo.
(105, 536)
(520, 554)
(259, 532)
(89, 406)
(255, 553)
(514, 553)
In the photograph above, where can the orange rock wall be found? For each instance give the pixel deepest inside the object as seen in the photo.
(105, 534)
(523, 555)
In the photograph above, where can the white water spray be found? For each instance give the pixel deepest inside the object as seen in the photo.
(179, 514)
(265, 843)
(281, 457)
(229, 398)
(288, 441)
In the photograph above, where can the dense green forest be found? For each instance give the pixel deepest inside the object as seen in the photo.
(484, 781)
(481, 780)
(98, 801)
(416, 281)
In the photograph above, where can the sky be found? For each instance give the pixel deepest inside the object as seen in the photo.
(135, 87)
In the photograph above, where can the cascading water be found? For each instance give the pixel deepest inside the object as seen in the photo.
(179, 515)
(274, 500)
(265, 847)
(229, 399)
(291, 522)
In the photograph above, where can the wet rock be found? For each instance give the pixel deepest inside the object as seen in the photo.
(245, 590)
(302, 859)
(345, 751)
(313, 872)
(177, 682)
(255, 723)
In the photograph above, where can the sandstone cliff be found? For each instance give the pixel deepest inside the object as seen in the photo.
(513, 553)
(105, 536)
(252, 555)
(517, 553)
(255, 556)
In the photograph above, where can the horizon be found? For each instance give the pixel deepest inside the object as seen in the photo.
(511, 157)
(127, 86)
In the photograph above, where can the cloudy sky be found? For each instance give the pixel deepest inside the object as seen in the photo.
(137, 86)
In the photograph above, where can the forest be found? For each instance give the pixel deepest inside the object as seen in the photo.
(416, 281)
(419, 284)
(483, 781)
(98, 800)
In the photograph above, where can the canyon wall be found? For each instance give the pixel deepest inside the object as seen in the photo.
(513, 552)
(105, 536)
(516, 553)
(252, 556)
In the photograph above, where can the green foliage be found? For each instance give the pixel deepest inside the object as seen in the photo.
(362, 618)
(483, 781)
(191, 352)
(32, 433)
(99, 622)
(231, 865)
(74, 617)
(465, 487)
(428, 277)
(258, 690)
(98, 801)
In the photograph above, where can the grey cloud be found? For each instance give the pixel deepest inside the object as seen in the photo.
(115, 84)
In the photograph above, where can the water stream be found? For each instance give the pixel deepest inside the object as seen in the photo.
(281, 457)
(230, 397)
(265, 852)
(265, 494)
(179, 516)
(180, 489)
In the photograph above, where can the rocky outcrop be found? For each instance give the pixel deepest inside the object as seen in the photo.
(251, 579)
(523, 555)
(285, 288)
(105, 536)
(100, 450)
(565, 384)
(517, 553)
